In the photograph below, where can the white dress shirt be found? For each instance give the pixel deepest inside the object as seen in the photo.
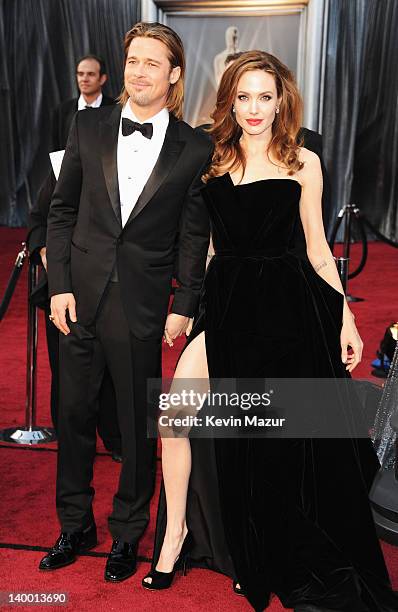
(82, 104)
(136, 158)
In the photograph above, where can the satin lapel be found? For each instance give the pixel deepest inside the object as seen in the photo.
(109, 131)
(168, 157)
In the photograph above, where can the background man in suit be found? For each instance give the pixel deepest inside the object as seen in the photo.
(91, 77)
(127, 203)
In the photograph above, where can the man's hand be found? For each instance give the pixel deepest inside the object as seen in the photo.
(175, 326)
(59, 305)
(43, 255)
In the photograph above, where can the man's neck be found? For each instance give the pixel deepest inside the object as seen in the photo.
(90, 98)
(146, 112)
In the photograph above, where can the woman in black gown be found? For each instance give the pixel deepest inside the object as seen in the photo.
(288, 516)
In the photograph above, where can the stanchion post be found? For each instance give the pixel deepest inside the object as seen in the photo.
(30, 433)
(347, 231)
(31, 359)
(343, 262)
(342, 268)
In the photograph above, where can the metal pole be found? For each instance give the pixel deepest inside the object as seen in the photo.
(347, 231)
(30, 433)
(31, 360)
(350, 210)
(342, 267)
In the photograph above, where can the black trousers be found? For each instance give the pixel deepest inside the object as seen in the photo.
(83, 356)
(107, 423)
(52, 335)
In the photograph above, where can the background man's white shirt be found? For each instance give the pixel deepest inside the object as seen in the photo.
(82, 104)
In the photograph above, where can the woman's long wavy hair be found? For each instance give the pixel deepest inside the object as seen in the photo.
(226, 132)
(173, 42)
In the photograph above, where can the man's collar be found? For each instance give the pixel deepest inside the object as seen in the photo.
(82, 104)
(161, 119)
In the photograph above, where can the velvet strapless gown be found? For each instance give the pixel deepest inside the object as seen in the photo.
(283, 516)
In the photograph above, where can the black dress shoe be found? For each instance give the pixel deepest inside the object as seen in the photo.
(117, 456)
(68, 546)
(122, 561)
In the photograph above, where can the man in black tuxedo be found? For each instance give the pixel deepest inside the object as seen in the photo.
(107, 425)
(91, 77)
(118, 219)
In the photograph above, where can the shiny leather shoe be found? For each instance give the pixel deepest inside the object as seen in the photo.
(117, 456)
(122, 561)
(238, 590)
(67, 547)
(164, 580)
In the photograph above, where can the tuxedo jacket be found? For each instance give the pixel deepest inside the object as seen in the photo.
(62, 120)
(168, 228)
(37, 220)
(37, 237)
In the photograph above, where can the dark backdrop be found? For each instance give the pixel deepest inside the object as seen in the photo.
(360, 114)
(40, 42)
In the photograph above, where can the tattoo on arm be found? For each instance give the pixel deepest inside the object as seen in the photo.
(319, 266)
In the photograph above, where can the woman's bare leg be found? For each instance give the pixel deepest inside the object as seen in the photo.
(191, 373)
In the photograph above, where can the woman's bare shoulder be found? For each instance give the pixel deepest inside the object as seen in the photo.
(308, 157)
(311, 172)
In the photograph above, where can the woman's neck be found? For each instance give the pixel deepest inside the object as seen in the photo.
(254, 146)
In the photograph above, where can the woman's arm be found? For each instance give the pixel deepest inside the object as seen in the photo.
(319, 253)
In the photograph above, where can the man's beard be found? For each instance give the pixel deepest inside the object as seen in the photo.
(140, 98)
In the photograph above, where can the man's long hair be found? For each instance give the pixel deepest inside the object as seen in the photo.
(226, 132)
(173, 42)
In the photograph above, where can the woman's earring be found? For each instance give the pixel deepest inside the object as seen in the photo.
(277, 110)
(233, 109)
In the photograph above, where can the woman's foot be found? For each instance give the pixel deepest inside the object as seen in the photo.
(171, 548)
(172, 557)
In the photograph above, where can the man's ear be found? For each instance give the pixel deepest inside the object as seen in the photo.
(175, 75)
(103, 79)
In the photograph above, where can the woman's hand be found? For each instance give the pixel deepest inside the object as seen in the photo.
(350, 337)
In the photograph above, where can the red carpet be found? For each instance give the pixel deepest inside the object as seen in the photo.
(27, 476)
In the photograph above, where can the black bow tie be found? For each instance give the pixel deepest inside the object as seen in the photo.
(129, 127)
